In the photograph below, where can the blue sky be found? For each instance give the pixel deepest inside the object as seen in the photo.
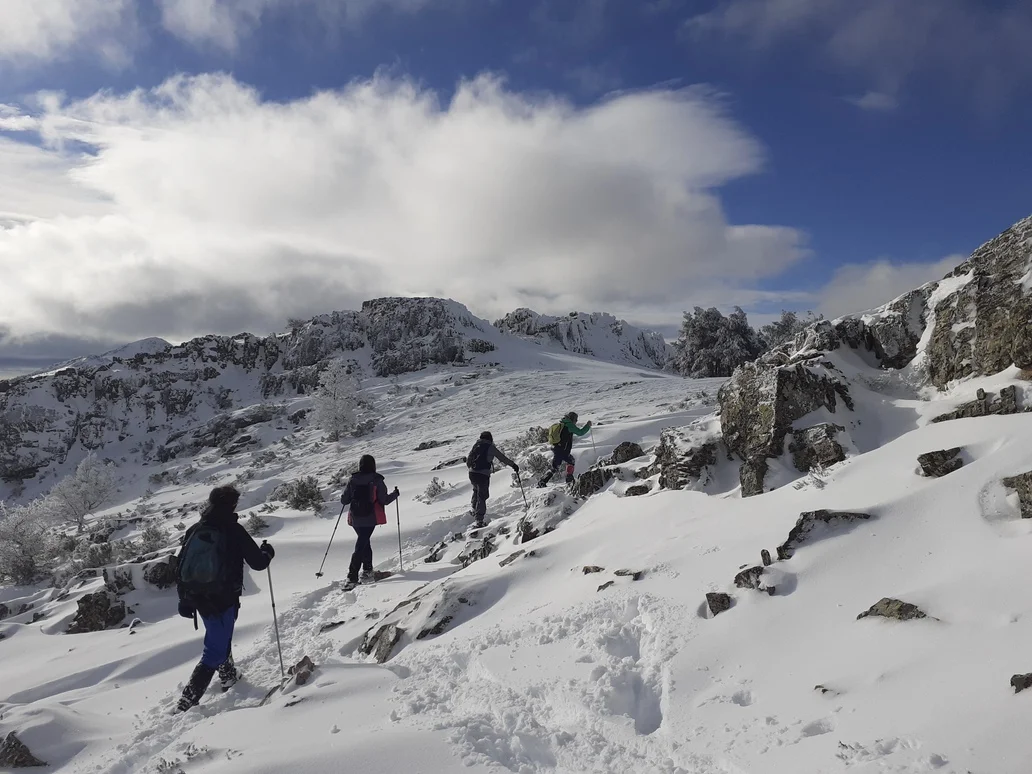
(881, 141)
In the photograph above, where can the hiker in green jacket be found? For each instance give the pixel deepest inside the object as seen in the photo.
(560, 436)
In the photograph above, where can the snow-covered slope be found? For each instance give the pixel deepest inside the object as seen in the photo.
(148, 346)
(598, 334)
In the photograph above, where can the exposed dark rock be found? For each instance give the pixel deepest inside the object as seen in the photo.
(941, 463)
(4, 611)
(718, 602)
(751, 578)
(162, 573)
(759, 404)
(682, 458)
(119, 580)
(593, 481)
(1022, 484)
(638, 490)
(302, 670)
(632, 574)
(1021, 682)
(475, 550)
(15, 755)
(592, 568)
(297, 417)
(436, 552)
(625, 452)
(808, 521)
(511, 558)
(450, 463)
(985, 405)
(765, 557)
(381, 644)
(605, 585)
(425, 445)
(815, 447)
(98, 611)
(893, 608)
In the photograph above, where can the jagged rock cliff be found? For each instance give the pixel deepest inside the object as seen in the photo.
(596, 334)
(977, 321)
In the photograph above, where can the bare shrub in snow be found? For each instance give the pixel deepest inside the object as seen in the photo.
(80, 494)
(535, 436)
(153, 538)
(712, 345)
(255, 524)
(303, 494)
(433, 490)
(26, 541)
(536, 465)
(335, 400)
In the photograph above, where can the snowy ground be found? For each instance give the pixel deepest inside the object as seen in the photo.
(540, 669)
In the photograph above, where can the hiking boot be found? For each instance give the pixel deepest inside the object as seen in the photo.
(228, 674)
(367, 576)
(195, 689)
(350, 584)
(569, 479)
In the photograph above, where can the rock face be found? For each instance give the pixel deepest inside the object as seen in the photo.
(591, 334)
(162, 573)
(1023, 486)
(1021, 682)
(593, 481)
(97, 612)
(381, 644)
(752, 578)
(815, 447)
(15, 755)
(895, 609)
(759, 404)
(809, 521)
(982, 326)
(683, 458)
(637, 490)
(941, 463)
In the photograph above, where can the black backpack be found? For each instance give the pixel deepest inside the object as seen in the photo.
(362, 496)
(479, 456)
(204, 571)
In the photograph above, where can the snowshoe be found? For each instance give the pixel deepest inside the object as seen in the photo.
(366, 577)
(349, 585)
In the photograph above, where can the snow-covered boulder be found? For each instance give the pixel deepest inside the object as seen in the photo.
(1022, 485)
(97, 612)
(894, 609)
(598, 334)
(940, 463)
(15, 755)
(683, 459)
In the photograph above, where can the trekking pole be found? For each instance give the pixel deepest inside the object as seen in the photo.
(319, 574)
(275, 624)
(591, 434)
(397, 509)
(522, 492)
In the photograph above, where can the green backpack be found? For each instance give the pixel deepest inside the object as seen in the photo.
(555, 434)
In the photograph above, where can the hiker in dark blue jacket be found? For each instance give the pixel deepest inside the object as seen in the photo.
(366, 494)
(480, 463)
(218, 609)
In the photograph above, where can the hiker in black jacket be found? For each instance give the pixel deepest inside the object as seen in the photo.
(479, 463)
(366, 494)
(219, 607)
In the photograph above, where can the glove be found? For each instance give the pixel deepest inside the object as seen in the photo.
(342, 500)
(588, 424)
(186, 609)
(268, 549)
(396, 492)
(515, 468)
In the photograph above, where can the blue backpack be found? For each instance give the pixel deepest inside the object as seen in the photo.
(204, 571)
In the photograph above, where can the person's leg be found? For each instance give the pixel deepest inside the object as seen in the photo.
(367, 550)
(474, 501)
(570, 465)
(481, 492)
(228, 674)
(218, 634)
(557, 458)
(356, 556)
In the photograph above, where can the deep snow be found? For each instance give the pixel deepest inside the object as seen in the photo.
(541, 671)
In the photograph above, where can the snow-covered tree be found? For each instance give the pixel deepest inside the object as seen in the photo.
(80, 494)
(336, 400)
(786, 328)
(26, 541)
(712, 345)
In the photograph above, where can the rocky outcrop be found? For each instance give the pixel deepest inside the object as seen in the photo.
(941, 463)
(985, 404)
(811, 520)
(15, 755)
(982, 325)
(895, 609)
(381, 644)
(637, 490)
(761, 401)
(593, 481)
(97, 612)
(1022, 484)
(591, 334)
(625, 452)
(814, 448)
(162, 573)
(683, 458)
(752, 578)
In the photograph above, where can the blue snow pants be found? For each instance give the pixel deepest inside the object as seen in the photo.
(218, 637)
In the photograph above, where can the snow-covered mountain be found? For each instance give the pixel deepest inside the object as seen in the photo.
(151, 400)
(599, 335)
(821, 571)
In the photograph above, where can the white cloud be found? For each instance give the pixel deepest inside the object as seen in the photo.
(860, 287)
(875, 101)
(979, 49)
(44, 30)
(205, 208)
